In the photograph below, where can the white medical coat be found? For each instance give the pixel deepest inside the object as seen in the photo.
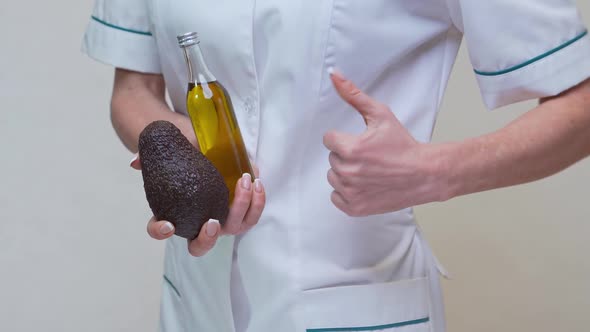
(307, 266)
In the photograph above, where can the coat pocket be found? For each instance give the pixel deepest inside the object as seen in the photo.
(394, 306)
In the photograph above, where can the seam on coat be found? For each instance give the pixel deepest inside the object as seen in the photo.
(533, 60)
(442, 84)
(325, 55)
(256, 82)
(110, 25)
(172, 285)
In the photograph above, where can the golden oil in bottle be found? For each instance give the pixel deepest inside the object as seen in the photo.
(212, 115)
(217, 131)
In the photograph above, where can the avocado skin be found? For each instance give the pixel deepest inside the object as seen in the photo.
(181, 185)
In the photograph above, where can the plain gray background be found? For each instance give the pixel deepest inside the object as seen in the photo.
(74, 254)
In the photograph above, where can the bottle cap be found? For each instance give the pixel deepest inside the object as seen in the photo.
(188, 39)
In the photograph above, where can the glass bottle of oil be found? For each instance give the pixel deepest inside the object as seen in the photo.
(214, 122)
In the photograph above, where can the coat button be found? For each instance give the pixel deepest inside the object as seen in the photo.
(250, 106)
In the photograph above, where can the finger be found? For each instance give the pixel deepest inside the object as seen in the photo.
(345, 206)
(340, 143)
(339, 201)
(256, 206)
(206, 239)
(135, 163)
(240, 205)
(344, 187)
(370, 109)
(335, 161)
(335, 181)
(160, 230)
(255, 169)
(347, 171)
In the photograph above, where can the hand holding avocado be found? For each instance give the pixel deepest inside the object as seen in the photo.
(188, 195)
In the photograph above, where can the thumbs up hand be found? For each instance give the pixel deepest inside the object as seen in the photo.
(382, 170)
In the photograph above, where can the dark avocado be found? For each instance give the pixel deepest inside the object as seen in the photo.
(181, 185)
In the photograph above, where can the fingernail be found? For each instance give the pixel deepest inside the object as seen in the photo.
(212, 227)
(134, 158)
(246, 181)
(336, 73)
(258, 185)
(166, 228)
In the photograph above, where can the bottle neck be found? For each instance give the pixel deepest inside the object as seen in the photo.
(198, 72)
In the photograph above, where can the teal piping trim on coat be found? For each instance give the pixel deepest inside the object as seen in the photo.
(533, 60)
(372, 328)
(172, 285)
(145, 33)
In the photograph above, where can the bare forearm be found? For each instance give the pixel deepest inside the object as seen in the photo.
(132, 114)
(544, 141)
(138, 102)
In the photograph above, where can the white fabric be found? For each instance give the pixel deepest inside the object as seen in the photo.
(292, 272)
(548, 76)
(381, 301)
(114, 46)
(502, 34)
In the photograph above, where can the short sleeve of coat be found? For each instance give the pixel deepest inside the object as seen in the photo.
(523, 49)
(119, 34)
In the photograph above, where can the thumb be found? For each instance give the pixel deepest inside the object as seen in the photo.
(369, 108)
